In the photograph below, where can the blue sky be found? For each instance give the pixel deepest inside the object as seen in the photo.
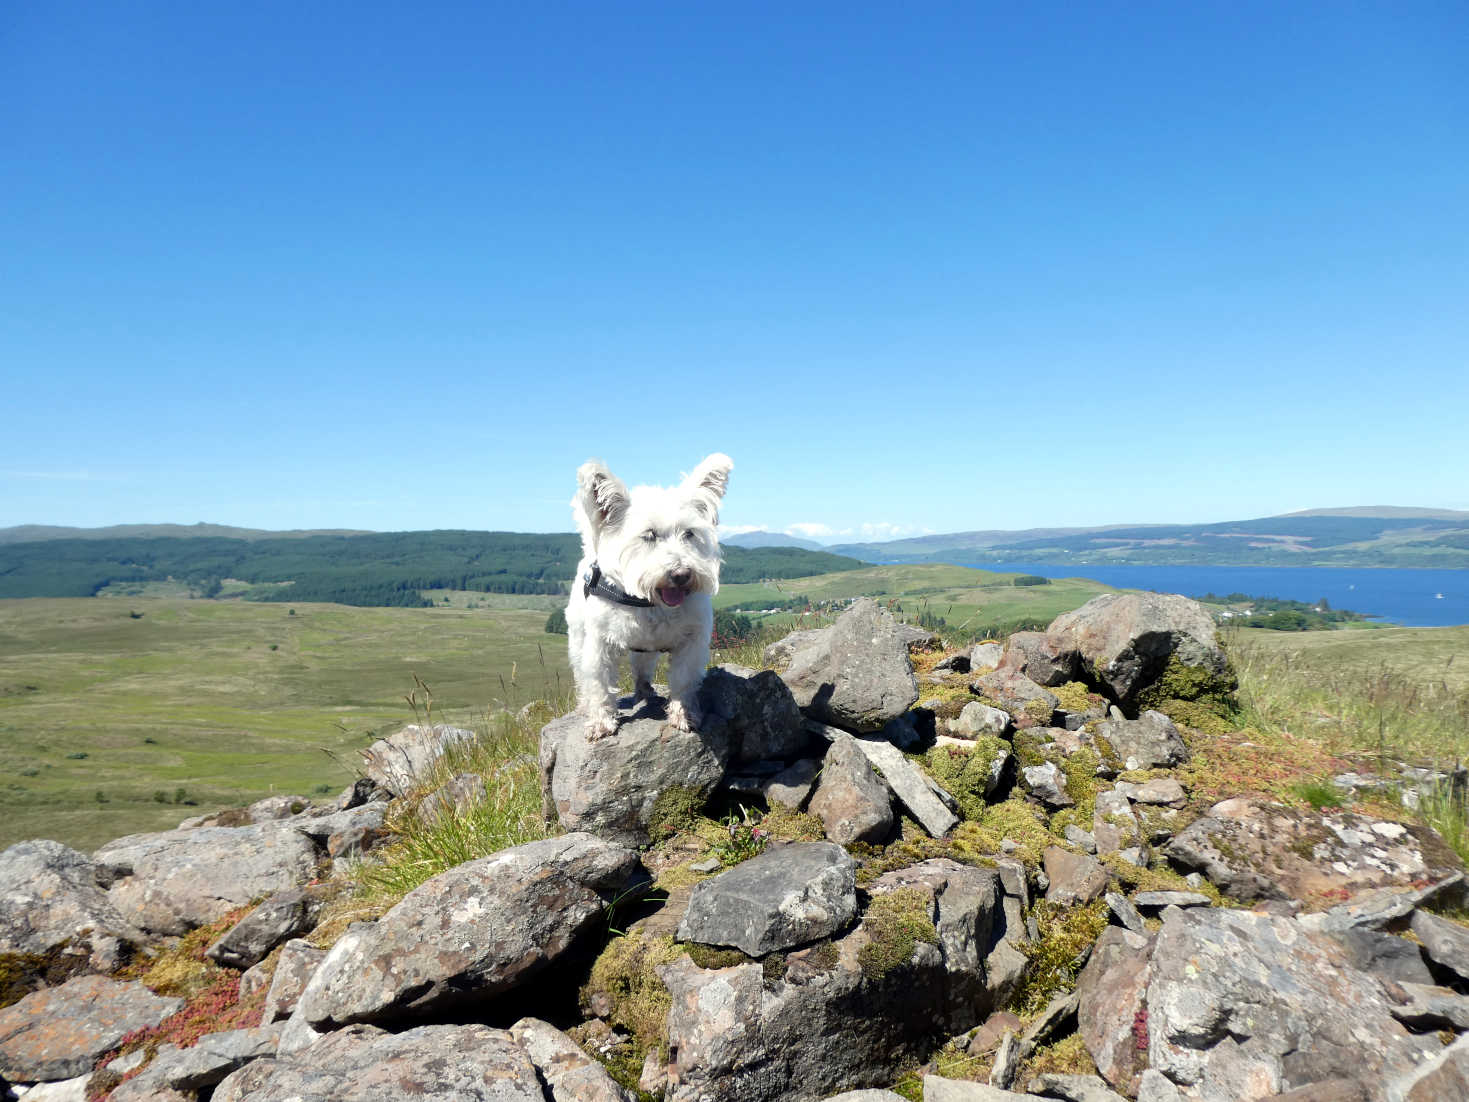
(923, 267)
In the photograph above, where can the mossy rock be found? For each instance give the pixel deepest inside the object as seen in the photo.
(964, 772)
(1076, 697)
(1055, 957)
(895, 923)
(22, 973)
(1192, 713)
(625, 973)
(1197, 684)
(677, 808)
(1027, 745)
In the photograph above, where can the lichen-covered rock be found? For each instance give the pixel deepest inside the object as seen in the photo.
(617, 787)
(1037, 656)
(1243, 1005)
(1046, 783)
(851, 800)
(977, 718)
(52, 896)
(1029, 703)
(1126, 640)
(407, 759)
(472, 933)
(1445, 942)
(60, 1032)
(1147, 742)
(363, 1064)
(173, 881)
(570, 1074)
(857, 673)
(1075, 877)
(294, 967)
(1251, 849)
(904, 780)
(1112, 1008)
(758, 710)
(784, 897)
(283, 916)
(1114, 825)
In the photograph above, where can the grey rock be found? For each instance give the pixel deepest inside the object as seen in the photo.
(916, 638)
(1057, 1018)
(1114, 826)
(1073, 1088)
(1380, 908)
(978, 718)
(1429, 1006)
(938, 1089)
(569, 1073)
(1008, 1055)
(1112, 994)
(1252, 849)
(782, 898)
(1124, 640)
(283, 916)
(472, 933)
(1075, 877)
(985, 656)
(868, 1095)
(859, 676)
(409, 758)
(1445, 942)
(1031, 704)
(1035, 655)
(214, 1056)
(52, 896)
(1083, 840)
(59, 1032)
(1154, 1086)
(297, 963)
(758, 710)
(150, 1084)
(360, 1063)
(1156, 901)
(1444, 1078)
(1244, 1004)
(953, 663)
(1147, 742)
(277, 807)
(780, 653)
(1384, 955)
(1127, 915)
(909, 785)
(1047, 784)
(173, 881)
(792, 786)
(59, 1090)
(851, 801)
(612, 786)
(361, 791)
(1165, 791)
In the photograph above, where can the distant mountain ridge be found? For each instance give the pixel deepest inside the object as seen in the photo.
(769, 539)
(32, 533)
(1378, 535)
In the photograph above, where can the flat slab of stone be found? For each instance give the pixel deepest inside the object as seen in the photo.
(281, 917)
(1075, 877)
(1445, 942)
(851, 800)
(903, 778)
(1156, 901)
(472, 933)
(613, 786)
(1147, 742)
(51, 895)
(782, 898)
(469, 1062)
(172, 881)
(59, 1032)
(1253, 849)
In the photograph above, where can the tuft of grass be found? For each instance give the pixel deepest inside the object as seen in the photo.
(1319, 794)
(505, 754)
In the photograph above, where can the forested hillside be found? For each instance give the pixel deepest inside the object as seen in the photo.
(378, 569)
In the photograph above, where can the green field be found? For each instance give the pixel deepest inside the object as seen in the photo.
(228, 700)
(971, 602)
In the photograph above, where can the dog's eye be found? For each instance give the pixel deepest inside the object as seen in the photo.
(689, 534)
(650, 536)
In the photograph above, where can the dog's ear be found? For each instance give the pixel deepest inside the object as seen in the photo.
(706, 485)
(601, 498)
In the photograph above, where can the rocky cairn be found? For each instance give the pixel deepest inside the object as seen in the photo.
(986, 875)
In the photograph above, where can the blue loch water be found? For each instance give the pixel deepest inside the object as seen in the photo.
(1413, 598)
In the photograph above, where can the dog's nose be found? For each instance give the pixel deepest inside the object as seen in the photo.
(681, 578)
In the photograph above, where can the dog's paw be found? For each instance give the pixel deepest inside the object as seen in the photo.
(644, 691)
(599, 726)
(684, 718)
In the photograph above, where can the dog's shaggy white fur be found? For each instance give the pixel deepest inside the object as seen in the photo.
(660, 544)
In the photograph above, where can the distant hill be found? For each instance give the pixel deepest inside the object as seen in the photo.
(375, 568)
(768, 539)
(30, 533)
(1387, 536)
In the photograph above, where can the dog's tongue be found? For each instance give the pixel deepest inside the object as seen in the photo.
(672, 595)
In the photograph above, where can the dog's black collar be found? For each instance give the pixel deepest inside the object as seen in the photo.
(594, 584)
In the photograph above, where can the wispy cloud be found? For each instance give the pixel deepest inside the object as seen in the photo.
(867, 530)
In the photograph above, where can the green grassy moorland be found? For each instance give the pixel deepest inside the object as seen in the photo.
(109, 707)
(971, 602)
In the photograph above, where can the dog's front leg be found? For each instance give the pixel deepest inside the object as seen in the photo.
(685, 674)
(597, 681)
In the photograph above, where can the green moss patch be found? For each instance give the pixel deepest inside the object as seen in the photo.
(675, 809)
(1196, 684)
(964, 772)
(22, 973)
(625, 972)
(1055, 956)
(895, 922)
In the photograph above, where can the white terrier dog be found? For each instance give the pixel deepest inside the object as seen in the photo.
(650, 564)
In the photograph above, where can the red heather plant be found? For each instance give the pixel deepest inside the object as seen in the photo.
(1140, 1029)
